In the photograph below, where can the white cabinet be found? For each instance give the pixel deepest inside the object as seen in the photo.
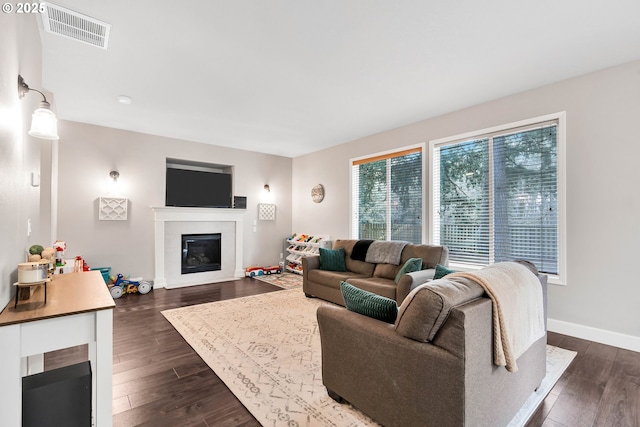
(303, 245)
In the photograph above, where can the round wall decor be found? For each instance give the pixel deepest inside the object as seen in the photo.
(317, 193)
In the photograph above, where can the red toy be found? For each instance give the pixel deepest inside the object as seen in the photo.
(255, 270)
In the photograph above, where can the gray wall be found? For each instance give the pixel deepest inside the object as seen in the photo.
(20, 154)
(603, 200)
(86, 155)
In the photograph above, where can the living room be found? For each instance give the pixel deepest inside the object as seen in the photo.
(597, 301)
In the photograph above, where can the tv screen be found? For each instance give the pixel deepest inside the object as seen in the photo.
(191, 188)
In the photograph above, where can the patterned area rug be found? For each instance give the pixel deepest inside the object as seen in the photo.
(266, 349)
(284, 280)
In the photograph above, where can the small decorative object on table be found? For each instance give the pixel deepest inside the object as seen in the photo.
(31, 274)
(60, 247)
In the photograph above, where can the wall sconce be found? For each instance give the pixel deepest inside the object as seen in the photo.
(267, 195)
(113, 186)
(43, 122)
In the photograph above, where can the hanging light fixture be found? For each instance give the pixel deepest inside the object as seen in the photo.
(43, 122)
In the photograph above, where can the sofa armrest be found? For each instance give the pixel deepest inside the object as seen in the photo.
(359, 354)
(410, 281)
(543, 282)
(309, 263)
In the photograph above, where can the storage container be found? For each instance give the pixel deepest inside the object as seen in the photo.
(32, 272)
(105, 271)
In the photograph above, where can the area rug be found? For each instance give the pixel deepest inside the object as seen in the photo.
(266, 349)
(284, 280)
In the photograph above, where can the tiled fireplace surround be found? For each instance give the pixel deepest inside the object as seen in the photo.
(171, 222)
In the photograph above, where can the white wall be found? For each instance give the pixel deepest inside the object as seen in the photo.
(20, 53)
(602, 293)
(86, 155)
(603, 200)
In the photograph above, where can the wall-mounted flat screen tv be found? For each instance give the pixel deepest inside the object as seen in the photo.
(194, 188)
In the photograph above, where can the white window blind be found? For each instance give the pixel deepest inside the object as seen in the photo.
(495, 197)
(386, 196)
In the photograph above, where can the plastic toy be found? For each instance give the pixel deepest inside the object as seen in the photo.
(254, 271)
(129, 286)
(273, 269)
(60, 247)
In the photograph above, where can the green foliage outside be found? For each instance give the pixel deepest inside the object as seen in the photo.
(390, 199)
(519, 203)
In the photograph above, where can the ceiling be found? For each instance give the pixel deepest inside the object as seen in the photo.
(290, 77)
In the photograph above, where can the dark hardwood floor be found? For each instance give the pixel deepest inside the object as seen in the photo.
(158, 380)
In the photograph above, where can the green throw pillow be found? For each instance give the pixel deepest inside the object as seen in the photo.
(412, 264)
(332, 259)
(368, 303)
(441, 271)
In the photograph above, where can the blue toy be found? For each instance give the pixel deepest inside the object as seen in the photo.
(129, 286)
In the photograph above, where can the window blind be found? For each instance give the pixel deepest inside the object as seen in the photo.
(496, 197)
(386, 196)
(463, 217)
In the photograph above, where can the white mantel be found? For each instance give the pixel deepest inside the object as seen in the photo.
(214, 216)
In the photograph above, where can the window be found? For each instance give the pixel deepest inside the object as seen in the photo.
(497, 195)
(386, 196)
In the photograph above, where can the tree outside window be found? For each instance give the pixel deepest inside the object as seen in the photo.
(496, 197)
(387, 197)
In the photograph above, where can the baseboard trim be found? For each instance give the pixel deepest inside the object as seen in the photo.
(602, 336)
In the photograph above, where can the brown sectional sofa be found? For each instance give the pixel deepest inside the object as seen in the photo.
(376, 278)
(434, 366)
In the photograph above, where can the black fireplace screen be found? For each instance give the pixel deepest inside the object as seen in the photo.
(201, 252)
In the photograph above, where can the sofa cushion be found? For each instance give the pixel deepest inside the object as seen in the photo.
(331, 279)
(412, 264)
(426, 308)
(369, 304)
(332, 259)
(431, 255)
(377, 285)
(441, 271)
(359, 267)
(386, 271)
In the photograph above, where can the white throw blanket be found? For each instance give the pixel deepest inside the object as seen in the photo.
(518, 313)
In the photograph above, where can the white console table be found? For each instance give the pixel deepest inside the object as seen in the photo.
(79, 310)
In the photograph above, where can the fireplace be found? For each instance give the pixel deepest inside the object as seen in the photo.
(201, 252)
(170, 223)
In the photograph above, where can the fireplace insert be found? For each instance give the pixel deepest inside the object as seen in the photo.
(201, 252)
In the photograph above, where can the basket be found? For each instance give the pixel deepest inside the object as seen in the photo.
(105, 271)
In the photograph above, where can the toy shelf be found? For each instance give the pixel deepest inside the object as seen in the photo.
(303, 245)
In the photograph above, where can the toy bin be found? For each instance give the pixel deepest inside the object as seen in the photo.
(105, 271)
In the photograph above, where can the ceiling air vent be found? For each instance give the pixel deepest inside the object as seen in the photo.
(73, 25)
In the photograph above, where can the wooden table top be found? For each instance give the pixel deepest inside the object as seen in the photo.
(70, 293)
